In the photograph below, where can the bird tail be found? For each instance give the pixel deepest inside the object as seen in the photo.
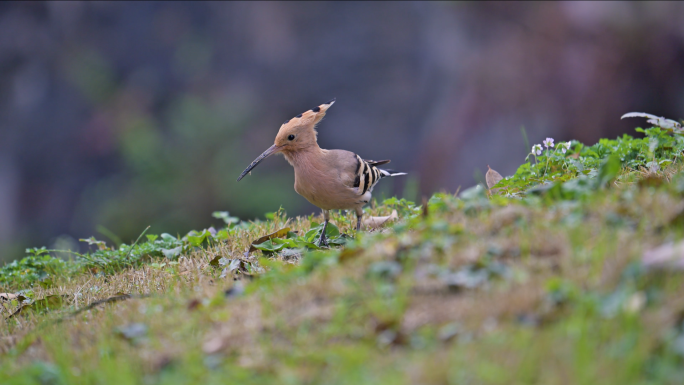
(386, 173)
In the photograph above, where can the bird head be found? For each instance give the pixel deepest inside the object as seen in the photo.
(294, 135)
(300, 131)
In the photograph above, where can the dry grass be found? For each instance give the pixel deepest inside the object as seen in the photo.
(381, 310)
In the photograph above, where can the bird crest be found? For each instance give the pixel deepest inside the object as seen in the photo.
(300, 131)
(310, 117)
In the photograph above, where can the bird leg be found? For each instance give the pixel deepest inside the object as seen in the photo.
(322, 241)
(359, 214)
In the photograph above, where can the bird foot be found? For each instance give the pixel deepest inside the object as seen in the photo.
(322, 241)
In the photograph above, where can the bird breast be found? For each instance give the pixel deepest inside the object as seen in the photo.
(324, 184)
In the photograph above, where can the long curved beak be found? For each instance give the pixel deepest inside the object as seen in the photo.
(271, 150)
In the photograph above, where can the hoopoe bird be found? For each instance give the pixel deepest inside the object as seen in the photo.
(329, 179)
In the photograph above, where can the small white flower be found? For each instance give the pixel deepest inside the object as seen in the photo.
(548, 142)
(565, 146)
(537, 149)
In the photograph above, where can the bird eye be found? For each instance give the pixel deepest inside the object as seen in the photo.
(291, 137)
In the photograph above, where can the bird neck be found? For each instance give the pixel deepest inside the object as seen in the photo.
(304, 157)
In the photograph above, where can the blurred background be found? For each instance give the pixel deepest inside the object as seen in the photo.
(115, 116)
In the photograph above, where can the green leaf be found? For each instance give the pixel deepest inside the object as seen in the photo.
(196, 239)
(222, 234)
(269, 246)
(168, 237)
(391, 201)
(37, 251)
(331, 232)
(475, 192)
(278, 234)
(577, 164)
(172, 253)
(225, 216)
(609, 170)
(92, 241)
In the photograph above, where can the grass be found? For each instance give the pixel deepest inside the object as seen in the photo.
(542, 283)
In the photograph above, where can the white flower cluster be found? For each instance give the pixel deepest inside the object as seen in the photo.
(548, 143)
(537, 149)
(565, 146)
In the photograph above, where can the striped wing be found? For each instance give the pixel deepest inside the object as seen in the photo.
(377, 162)
(367, 174)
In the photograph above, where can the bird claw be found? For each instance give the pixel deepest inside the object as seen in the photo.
(322, 241)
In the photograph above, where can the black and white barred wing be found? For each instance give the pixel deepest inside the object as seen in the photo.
(367, 174)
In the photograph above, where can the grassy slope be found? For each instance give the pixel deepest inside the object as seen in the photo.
(475, 289)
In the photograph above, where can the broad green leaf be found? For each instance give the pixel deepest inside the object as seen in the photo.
(609, 170)
(278, 234)
(172, 253)
(196, 239)
(168, 237)
(268, 246)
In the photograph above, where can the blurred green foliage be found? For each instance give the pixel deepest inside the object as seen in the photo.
(180, 168)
